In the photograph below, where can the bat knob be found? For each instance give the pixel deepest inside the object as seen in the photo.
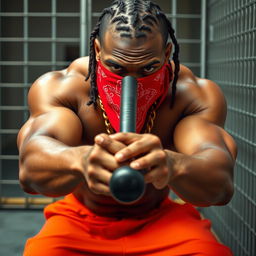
(127, 185)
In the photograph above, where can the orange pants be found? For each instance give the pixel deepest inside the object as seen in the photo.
(172, 229)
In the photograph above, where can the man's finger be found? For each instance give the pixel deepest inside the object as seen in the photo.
(108, 143)
(155, 158)
(125, 137)
(99, 174)
(141, 146)
(99, 188)
(158, 177)
(103, 158)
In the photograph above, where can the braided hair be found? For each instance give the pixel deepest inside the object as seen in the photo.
(143, 15)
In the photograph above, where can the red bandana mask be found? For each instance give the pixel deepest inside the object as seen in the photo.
(150, 88)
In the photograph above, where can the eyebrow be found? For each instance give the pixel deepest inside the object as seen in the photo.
(152, 63)
(112, 62)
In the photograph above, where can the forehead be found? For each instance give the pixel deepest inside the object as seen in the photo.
(114, 42)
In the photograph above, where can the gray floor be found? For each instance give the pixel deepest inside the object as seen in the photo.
(16, 226)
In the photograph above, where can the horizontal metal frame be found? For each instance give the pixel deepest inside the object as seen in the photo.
(236, 84)
(243, 112)
(236, 135)
(41, 39)
(233, 36)
(40, 14)
(230, 60)
(27, 202)
(13, 107)
(9, 131)
(33, 63)
(9, 157)
(15, 85)
(238, 162)
(9, 182)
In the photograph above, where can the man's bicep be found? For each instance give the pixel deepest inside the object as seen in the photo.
(194, 134)
(48, 116)
(59, 123)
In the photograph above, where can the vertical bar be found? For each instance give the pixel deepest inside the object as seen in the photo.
(83, 27)
(25, 52)
(54, 28)
(89, 20)
(203, 38)
(1, 161)
(174, 14)
(25, 67)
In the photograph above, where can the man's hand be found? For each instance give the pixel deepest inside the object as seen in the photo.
(148, 153)
(100, 163)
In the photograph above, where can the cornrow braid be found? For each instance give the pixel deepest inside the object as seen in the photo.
(175, 57)
(141, 12)
(92, 57)
(120, 20)
(122, 7)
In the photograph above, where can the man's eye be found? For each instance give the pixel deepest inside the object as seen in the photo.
(116, 67)
(149, 69)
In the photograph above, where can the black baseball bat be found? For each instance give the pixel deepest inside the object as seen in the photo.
(127, 185)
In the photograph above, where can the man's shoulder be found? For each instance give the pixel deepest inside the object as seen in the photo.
(63, 85)
(79, 66)
(198, 94)
(189, 82)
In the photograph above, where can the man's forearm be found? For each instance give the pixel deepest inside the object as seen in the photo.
(50, 167)
(202, 179)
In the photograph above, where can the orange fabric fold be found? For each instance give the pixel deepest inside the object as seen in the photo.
(172, 229)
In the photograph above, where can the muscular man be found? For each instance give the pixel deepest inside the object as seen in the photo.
(71, 145)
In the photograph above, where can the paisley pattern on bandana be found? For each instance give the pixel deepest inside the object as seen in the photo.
(150, 89)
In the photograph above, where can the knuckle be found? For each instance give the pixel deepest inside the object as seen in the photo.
(155, 140)
(91, 185)
(143, 162)
(94, 155)
(160, 155)
(94, 188)
(127, 151)
(90, 172)
(107, 140)
(140, 143)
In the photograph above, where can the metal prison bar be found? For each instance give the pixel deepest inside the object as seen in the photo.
(231, 63)
(34, 37)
